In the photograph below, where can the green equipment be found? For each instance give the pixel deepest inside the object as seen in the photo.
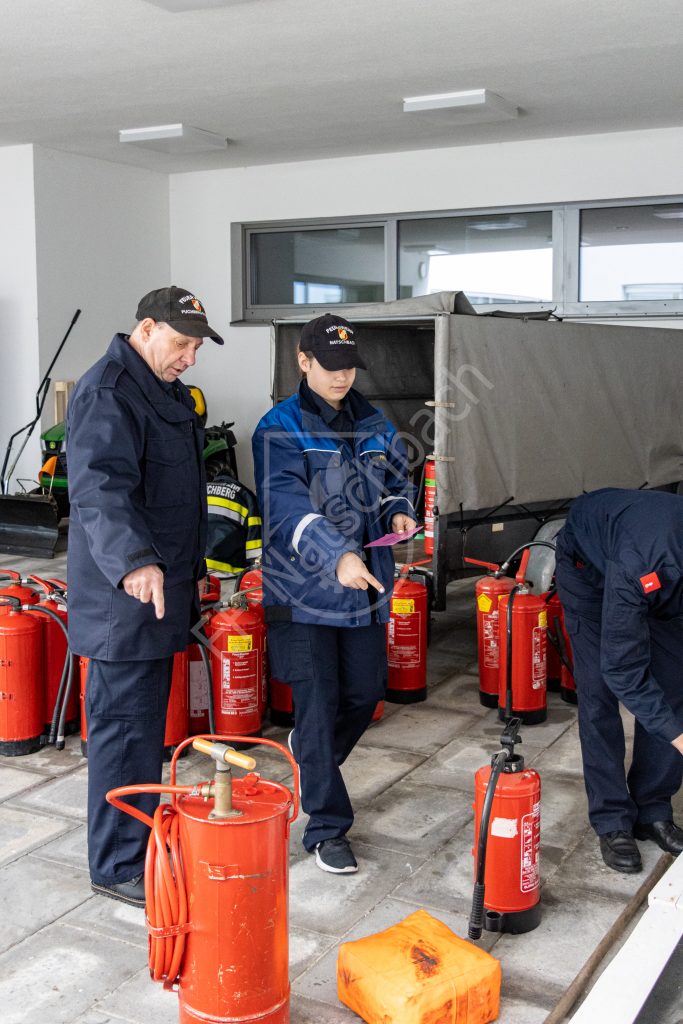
(29, 520)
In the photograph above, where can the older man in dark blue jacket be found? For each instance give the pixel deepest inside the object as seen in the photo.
(620, 580)
(137, 536)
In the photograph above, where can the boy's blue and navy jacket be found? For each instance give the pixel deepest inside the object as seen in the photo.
(322, 494)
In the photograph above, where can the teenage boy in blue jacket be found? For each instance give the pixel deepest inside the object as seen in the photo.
(331, 474)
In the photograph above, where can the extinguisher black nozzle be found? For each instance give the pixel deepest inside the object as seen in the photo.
(477, 913)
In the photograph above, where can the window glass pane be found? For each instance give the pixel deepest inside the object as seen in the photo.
(497, 258)
(632, 252)
(317, 265)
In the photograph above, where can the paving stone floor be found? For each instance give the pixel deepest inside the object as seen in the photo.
(70, 957)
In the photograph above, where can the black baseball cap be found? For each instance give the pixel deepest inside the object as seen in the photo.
(332, 340)
(180, 309)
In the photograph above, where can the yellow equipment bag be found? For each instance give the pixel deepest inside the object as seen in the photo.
(418, 972)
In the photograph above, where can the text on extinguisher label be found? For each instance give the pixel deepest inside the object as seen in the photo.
(530, 841)
(538, 666)
(404, 650)
(239, 681)
(241, 642)
(489, 626)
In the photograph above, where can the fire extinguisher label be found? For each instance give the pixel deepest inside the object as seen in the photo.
(199, 689)
(484, 603)
(538, 667)
(402, 606)
(530, 841)
(543, 618)
(239, 681)
(240, 642)
(489, 625)
(404, 648)
(504, 828)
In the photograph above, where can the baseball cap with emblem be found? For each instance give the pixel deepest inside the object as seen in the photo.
(332, 340)
(180, 309)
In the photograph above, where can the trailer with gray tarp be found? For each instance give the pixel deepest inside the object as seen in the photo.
(520, 414)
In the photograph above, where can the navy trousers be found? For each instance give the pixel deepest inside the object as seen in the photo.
(619, 798)
(337, 676)
(126, 704)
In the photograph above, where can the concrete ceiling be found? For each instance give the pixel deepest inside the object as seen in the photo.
(289, 80)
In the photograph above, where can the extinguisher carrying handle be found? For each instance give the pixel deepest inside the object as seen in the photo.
(486, 565)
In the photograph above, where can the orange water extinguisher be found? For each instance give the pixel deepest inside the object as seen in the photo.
(488, 591)
(507, 831)
(216, 888)
(523, 620)
(236, 641)
(22, 697)
(407, 634)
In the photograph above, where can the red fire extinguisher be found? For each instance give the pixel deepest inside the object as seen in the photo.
(279, 694)
(430, 502)
(216, 872)
(407, 637)
(55, 646)
(22, 697)
(507, 824)
(177, 713)
(522, 672)
(236, 638)
(19, 588)
(567, 681)
(82, 676)
(488, 591)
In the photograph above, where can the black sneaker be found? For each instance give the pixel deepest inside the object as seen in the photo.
(132, 892)
(336, 856)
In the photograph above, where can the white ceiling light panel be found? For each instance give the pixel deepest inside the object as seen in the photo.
(467, 107)
(174, 138)
(178, 6)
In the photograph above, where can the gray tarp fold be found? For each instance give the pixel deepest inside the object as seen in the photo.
(534, 411)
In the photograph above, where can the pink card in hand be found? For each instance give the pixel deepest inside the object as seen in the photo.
(393, 538)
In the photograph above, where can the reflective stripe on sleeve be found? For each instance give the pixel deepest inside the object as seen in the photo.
(303, 523)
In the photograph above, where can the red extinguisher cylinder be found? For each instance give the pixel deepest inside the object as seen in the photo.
(177, 713)
(512, 875)
(236, 872)
(527, 672)
(82, 676)
(430, 501)
(488, 592)
(237, 644)
(22, 694)
(407, 642)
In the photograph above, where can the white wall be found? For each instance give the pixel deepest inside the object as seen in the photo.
(236, 379)
(102, 242)
(18, 305)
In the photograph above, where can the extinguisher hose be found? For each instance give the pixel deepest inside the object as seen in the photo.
(477, 911)
(203, 640)
(166, 901)
(530, 544)
(58, 721)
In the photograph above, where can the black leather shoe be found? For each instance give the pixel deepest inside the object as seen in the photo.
(664, 833)
(619, 852)
(132, 892)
